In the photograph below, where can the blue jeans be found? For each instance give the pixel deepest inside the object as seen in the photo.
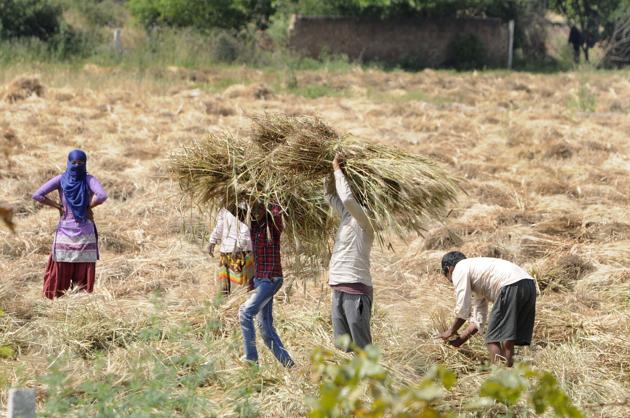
(260, 305)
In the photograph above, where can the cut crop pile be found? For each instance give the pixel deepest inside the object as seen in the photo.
(285, 160)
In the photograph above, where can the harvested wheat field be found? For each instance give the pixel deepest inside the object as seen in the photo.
(544, 161)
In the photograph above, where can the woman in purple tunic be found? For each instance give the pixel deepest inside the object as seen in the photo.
(75, 246)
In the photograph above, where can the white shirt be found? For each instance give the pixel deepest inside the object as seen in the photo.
(478, 281)
(232, 233)
(350, 261)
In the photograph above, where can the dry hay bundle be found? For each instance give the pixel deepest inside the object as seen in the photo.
(87, 326)
(474, 248)
(6, 214)
(22, 88)
(566, 225)
(560, 272)
(286, 159)
(442, 238)
(8, 140)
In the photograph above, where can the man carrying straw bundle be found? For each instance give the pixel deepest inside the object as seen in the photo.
(481, 280)
(266, 228)
(236, 261)
(349, 274)
(380, 191)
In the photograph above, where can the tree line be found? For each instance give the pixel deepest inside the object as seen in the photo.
(43, 19)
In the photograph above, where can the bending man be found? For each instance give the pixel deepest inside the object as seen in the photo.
(481, 280)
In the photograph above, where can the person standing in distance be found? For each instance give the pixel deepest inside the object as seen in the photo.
(72, 262)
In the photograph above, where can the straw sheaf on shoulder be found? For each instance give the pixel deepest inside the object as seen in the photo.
(284, 161)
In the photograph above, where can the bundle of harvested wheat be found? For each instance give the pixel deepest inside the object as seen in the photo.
(560, 271)
(285, 160)
(23, 87)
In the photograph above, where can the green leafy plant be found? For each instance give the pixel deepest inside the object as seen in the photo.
(583, 100)
(361, 387)
(156, 386)
(541, 389)
(6, 351)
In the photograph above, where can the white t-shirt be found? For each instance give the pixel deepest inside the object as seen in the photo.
(232, 233)
(478, 281)
(350, 261)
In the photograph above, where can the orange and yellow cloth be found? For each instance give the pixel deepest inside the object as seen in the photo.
(236, 267)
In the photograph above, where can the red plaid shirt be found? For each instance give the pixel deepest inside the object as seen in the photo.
(266, 244)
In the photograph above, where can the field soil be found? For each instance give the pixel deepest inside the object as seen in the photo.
(544, 161)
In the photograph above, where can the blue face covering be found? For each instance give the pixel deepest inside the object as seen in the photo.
(74, 185)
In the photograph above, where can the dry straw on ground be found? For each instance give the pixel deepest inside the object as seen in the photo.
(6, 214)
(22, 88)
(154, 309)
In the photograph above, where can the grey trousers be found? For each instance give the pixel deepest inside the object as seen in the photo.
(351, 315)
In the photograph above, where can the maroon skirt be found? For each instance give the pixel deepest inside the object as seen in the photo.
(60, 276)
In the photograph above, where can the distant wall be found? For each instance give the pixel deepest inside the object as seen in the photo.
(423, 41)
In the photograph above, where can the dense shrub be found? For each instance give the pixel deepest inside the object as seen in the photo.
(466, 52)
(29, 18)
(36, 30)
(68, 43)
(345, 383)
(225, 47)
(98, 12)
(182, 13)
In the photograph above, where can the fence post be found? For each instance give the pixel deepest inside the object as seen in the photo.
(118, 40)
(21, 403)
(510, 43)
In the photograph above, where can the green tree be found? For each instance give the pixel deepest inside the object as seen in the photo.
(506, 9)
(528, 14)
(201, 14)
(29, 18)
(594, 18)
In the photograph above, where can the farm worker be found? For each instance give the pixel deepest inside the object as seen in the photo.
(236, 261)
(265, 229)
(72, 262)
(349, 271)
(481, 280)
(576, 39)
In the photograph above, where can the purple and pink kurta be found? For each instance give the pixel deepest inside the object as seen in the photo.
(75, 242)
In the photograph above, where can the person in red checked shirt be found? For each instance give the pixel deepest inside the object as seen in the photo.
(265, 229)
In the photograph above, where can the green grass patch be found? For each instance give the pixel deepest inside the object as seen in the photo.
(156, 385)
(222, 83)
(583, 100)
(6, 352)
(380, 96)
(315, 91)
